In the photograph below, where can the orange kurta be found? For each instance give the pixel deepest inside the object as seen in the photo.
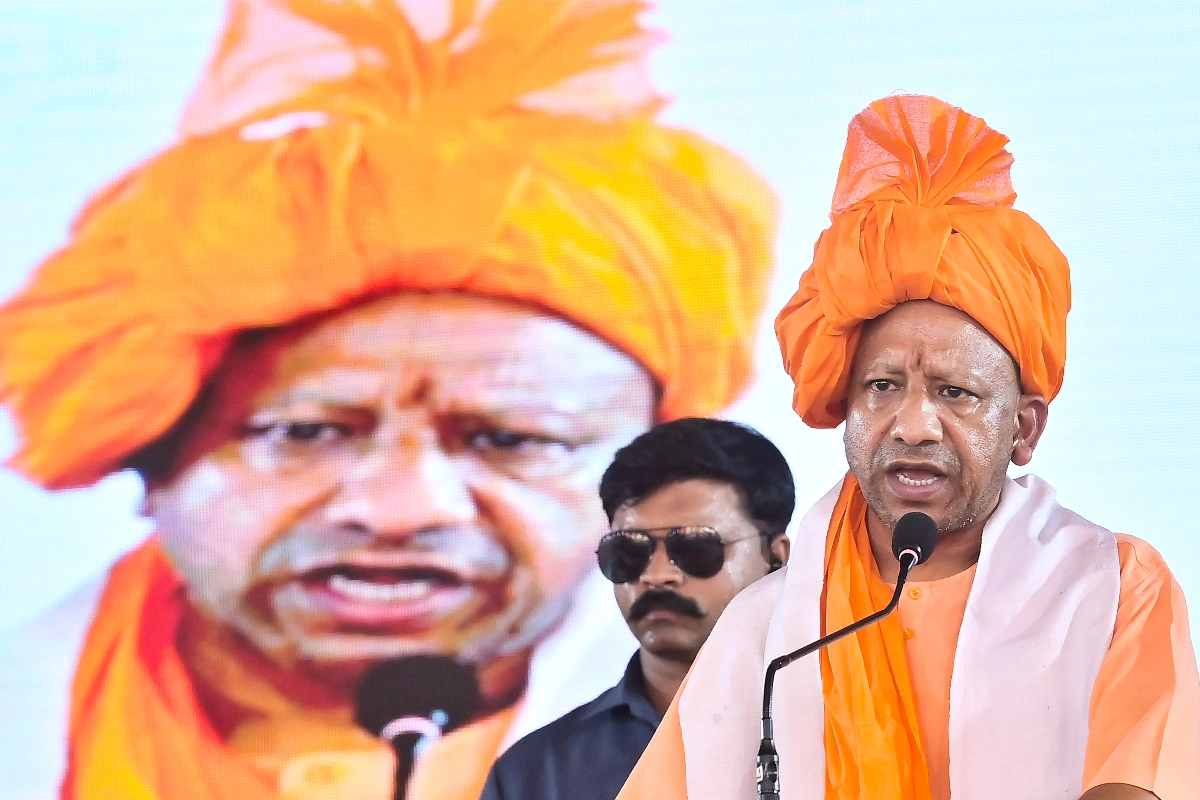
(1144, 727)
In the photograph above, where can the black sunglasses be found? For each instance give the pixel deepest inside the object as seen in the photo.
(696, 549)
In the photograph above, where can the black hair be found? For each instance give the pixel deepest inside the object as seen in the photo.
(719, 450)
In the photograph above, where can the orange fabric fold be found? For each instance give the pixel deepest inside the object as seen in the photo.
(337, 150)
(138, 730)
(872, 736)
(923, 211)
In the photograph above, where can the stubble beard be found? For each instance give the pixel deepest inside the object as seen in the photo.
(968, 506)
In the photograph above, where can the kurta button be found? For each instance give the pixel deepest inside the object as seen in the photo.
(914, 593)
(909, 633)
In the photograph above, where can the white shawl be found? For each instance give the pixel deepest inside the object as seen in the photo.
(1038, 623)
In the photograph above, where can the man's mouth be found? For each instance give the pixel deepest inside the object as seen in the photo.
(378, 586)
(400, 599)
(915, 482)
(916, 477)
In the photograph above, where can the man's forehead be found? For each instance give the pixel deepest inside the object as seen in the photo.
(935, 338)
(686, 502)
(450, 386)
(469, 332)
(455, 347)
(928, 326)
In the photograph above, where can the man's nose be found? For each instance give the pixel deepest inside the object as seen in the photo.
(661, 571)
(403, 484)
(916, 421)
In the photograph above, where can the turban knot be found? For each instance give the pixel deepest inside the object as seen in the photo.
(923, 211)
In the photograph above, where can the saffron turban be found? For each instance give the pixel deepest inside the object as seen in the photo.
(337, 149)
(923, 210)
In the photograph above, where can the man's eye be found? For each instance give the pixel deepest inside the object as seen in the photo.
(880, 385)
(300, 431)
(956, 393)
(503, 440)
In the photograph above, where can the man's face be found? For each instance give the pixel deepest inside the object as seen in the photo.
(414, 475)
(670, 612)
(932, 411)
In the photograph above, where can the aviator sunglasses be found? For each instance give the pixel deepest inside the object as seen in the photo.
(697, 550)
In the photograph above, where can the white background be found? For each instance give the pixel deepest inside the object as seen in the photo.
(1101, 101)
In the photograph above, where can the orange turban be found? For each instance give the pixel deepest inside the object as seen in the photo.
(340, 148)
(923, 210)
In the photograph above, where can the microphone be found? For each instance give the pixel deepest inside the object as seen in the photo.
(913, 541)
(409, 702)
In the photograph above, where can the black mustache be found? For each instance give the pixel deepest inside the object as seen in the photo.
(666, 600)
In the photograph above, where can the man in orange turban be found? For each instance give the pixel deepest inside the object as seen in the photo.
(371, 331)
(1035, 654)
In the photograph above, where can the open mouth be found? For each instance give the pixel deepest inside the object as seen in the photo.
(409, 597)
(915, 481)
(916, 477)
(378, 585)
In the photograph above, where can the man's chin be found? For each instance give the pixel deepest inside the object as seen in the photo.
(671, 641)
(888, 507)
(352, 651)
(681, 650)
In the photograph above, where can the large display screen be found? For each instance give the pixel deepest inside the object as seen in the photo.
(233, 434)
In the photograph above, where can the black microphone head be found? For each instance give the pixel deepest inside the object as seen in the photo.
(915, 531)
(436, 688)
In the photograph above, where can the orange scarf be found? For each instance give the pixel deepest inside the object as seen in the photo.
(872, 741)
(138, 732)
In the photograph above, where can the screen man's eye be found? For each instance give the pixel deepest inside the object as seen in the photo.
(499, 439)
(508, 442)
(956, 393)
(300, 431)
(879, 385)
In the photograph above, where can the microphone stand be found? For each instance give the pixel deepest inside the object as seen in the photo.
(768, 757)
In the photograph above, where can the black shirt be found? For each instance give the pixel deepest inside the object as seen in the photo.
(584, 755)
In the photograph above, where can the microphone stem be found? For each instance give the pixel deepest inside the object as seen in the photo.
(768, 757)
(907, 561)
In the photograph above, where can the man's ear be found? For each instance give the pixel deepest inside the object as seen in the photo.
(1032, 412)
(779, 551)
(147, 507)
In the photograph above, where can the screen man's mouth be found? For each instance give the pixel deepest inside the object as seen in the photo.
(400, 600)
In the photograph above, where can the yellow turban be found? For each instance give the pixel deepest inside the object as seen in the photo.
(340, 148)
(923, 210)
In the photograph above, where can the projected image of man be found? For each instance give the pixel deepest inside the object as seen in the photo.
(370, 331)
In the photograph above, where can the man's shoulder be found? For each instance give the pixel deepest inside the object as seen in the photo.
(586, 754)
(1142, 565)
(556, 734)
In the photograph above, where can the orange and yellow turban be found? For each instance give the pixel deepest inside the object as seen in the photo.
(923, 210)
(341, 148)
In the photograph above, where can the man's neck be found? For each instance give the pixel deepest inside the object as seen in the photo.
(663, 677)
(956, 551)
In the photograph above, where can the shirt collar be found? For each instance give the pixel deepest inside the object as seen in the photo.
(630, 692)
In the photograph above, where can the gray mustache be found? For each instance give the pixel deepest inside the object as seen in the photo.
(936, 455)
(304, 549)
